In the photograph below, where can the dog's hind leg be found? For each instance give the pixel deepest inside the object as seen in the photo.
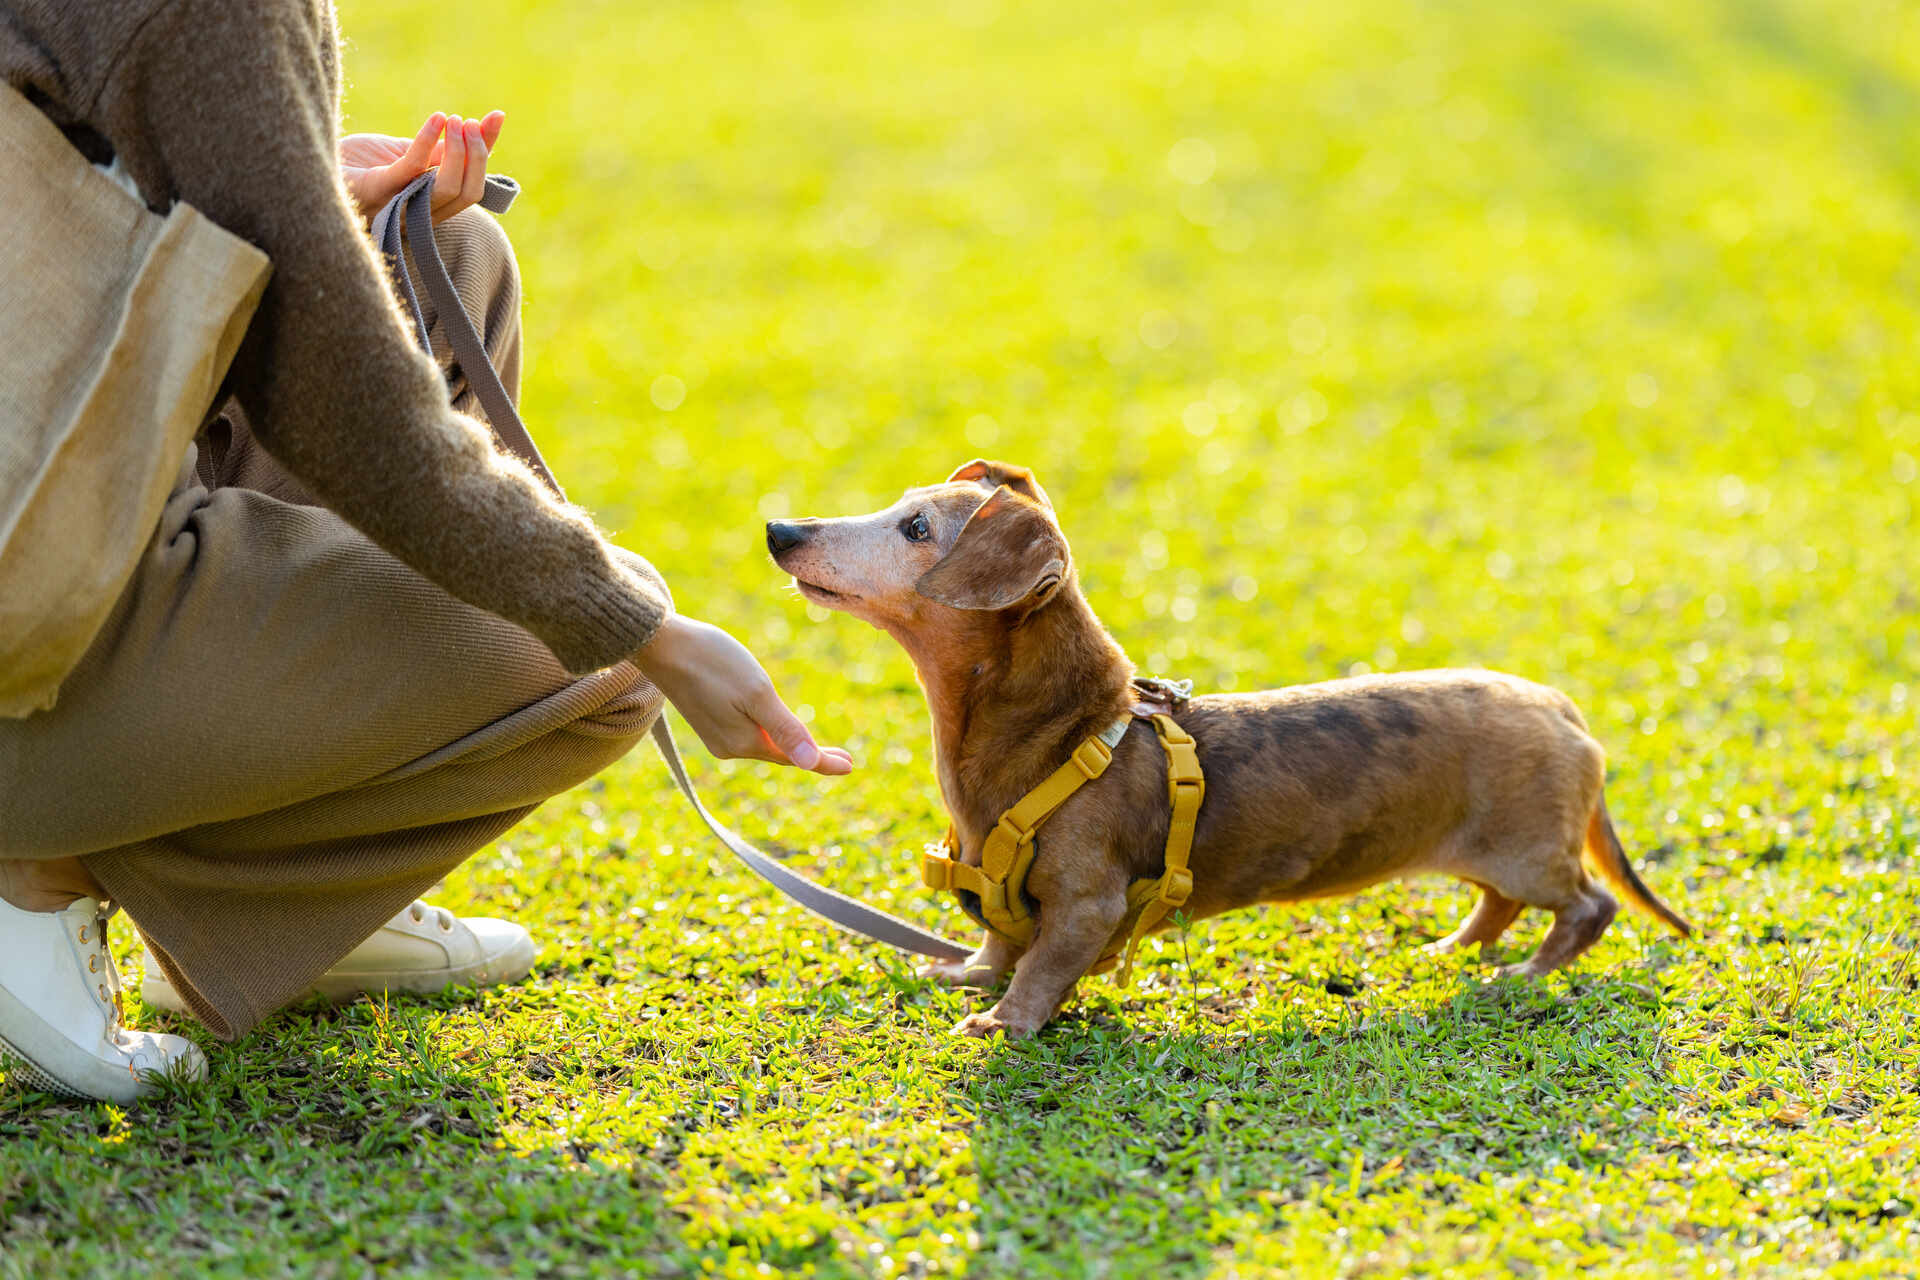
(1536, 859)
(1490, 918)
(1576, 926)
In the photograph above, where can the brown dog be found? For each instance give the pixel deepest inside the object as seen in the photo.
(1311, 791)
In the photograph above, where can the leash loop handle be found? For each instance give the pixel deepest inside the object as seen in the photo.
(412, 212)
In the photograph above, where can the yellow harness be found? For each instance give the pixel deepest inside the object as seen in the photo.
(1000, 881)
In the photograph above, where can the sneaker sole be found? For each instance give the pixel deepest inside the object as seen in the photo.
(50, 1062)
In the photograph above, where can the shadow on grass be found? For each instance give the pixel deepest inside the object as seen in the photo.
(354, 1139)
(1164, 1149)
(345, 1143)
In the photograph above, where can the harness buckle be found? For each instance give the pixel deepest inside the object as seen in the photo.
(1177, 887)
(1183, 761)
(1092, 757)
(936, 870)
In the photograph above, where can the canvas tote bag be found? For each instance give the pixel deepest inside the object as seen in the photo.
(116, 326)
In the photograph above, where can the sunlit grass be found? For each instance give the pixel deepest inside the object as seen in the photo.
(1574, 341)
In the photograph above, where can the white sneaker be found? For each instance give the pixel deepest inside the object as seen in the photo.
(423, 949)
(60, 1010)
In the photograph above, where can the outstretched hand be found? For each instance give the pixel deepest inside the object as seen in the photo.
(377, 166)
(729, 700)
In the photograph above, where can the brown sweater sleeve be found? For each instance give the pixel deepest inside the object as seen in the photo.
(231, 106)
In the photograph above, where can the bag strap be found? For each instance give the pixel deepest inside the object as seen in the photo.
(412, 209)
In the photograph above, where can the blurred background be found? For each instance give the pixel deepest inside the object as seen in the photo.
(1572, 339)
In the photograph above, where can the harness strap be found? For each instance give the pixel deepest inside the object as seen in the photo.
(1000, 879)
(1009, 850)
(1017, 825)
(413, 209)
(1186, 788)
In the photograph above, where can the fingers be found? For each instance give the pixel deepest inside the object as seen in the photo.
(462, 157)
(835, 762)
(831, 762)
(377, 167)
(419, 153)
(783, 730)
(448, 183)
(729, 700)
(785, 740)
(743, 739)
(491, 127)
(475, 184)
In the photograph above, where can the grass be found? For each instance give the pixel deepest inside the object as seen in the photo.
(1574, 340)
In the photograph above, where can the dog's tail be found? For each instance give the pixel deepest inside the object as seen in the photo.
(1606, 856)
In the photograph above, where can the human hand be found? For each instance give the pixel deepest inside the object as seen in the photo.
(730, 701)
(378, 167)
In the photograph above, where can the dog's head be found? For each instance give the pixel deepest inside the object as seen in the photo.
(983, 542)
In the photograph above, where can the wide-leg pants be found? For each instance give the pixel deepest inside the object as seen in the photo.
(283, 735)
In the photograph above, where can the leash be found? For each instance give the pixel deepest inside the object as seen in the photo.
(830, 904)
(412, 210)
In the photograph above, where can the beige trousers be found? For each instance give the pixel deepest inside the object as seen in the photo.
(283, 735)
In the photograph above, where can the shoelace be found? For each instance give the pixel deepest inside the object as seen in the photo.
(442, 916)
(100, 966)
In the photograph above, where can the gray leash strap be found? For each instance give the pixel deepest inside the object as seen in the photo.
(412, 209)
(848, 913)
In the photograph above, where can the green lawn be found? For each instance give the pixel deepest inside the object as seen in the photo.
(1572, 339)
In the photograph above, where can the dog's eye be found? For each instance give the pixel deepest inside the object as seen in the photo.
(916, 528)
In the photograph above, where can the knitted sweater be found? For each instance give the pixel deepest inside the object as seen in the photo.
(233, 106)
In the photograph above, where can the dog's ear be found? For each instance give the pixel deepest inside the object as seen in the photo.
(995, 474)
(1009, 553)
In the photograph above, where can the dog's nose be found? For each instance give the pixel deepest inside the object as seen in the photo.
(784, 535)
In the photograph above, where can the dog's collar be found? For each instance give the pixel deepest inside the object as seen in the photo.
(995, 891)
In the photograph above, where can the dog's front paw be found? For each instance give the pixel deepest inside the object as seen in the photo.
(979, 1026)
(982, 1025)
(952, 973)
